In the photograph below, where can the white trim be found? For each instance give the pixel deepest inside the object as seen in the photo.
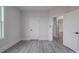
(2, 9)
(2, 18)
(8, 45)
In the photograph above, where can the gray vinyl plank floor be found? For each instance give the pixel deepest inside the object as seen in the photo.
(38, 46)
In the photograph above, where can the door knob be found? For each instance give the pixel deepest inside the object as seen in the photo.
(76, 32)
(30, 29)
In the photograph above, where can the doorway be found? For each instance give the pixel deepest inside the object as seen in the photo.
(58, 29)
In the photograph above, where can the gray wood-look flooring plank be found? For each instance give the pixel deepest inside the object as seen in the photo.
(38, 46)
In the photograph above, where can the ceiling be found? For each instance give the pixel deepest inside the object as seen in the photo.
(54, 10)
(35, 8)
(45, 8)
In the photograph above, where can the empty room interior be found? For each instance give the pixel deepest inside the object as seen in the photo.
(39, 29)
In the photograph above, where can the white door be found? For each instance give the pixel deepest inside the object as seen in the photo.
(34, 27)
(75, 35)
(71, 30)
(51, 29)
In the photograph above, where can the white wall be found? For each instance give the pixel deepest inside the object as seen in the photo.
(38, 21)
(71, 25)
(12, 28)
(0, 21)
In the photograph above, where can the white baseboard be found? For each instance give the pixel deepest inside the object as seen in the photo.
(8, 45)
(72, 49)
(35, 39)
(76, 51)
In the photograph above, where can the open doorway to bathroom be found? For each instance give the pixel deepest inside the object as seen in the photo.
(58, 29)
